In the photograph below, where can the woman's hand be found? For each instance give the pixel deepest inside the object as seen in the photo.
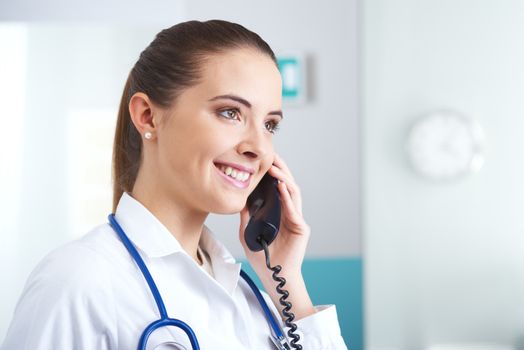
(289, 247)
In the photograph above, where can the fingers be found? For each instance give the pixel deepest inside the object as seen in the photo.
(289, 189)
(290, 208)
(282, 176)
(279, 162)
(291, 186)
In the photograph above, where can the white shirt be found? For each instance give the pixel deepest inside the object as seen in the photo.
(90, 294)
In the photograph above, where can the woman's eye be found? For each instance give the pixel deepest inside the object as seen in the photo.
(229, 113)
(233, 113)
(272, 126)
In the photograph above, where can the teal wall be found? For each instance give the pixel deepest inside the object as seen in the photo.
(335, 281)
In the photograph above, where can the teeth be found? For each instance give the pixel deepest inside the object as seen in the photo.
(234, 173)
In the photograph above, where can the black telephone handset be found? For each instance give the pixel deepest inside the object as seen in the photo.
(264, 212)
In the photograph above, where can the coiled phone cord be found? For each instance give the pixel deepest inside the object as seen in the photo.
(285, 294)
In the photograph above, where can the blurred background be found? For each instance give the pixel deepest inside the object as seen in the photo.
(404, 129)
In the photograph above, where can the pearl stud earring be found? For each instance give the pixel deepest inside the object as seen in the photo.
(148, 135)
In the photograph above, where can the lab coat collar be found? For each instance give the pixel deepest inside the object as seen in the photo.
(154, 239)
(144, 229)
(225, 268)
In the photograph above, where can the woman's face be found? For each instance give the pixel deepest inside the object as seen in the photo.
(227, 120)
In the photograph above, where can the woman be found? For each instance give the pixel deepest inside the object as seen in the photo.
(193, 136)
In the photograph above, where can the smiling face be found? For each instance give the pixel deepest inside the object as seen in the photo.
(215, 143)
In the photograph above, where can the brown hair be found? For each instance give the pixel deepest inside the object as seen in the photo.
(171, 63)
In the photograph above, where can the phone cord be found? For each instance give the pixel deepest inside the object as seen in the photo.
(285, 294)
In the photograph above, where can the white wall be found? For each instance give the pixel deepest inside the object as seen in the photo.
(62, 75)
(444, 262)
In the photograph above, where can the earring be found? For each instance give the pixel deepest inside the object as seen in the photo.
(148, 135)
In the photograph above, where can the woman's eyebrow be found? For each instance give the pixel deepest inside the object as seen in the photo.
(244, 102)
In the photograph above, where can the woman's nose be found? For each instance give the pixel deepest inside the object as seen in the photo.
(255, 143)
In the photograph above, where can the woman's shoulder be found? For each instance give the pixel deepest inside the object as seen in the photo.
(80, 265)
(71, 285)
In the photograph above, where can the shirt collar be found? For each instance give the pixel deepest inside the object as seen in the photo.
(225, 268)
(154, 239)
(144, 229)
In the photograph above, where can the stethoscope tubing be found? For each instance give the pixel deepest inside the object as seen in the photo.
(164, 323)
(165, 320)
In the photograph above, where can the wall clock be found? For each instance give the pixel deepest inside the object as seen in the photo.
(445, 145)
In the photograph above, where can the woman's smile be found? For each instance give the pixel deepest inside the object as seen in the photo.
(233, 175)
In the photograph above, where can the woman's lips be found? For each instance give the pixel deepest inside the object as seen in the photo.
(246, 168)
(232, 181)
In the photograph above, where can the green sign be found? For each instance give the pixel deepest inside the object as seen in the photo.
(290, 71)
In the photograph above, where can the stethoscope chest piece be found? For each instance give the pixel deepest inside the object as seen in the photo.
(280, 343)
(171, 345)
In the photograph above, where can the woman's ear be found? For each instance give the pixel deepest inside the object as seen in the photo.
(141, 112)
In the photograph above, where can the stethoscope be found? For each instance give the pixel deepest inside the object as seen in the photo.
(277, 337)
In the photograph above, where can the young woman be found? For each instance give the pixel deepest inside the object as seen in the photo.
(194, 136)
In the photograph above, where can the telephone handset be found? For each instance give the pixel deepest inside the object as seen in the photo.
(264, 212)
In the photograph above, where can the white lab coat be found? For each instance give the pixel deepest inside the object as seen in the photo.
(90, 294)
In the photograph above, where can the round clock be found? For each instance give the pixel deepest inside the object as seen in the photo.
(445, 145)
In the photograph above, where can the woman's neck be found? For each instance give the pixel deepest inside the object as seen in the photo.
(182, 222)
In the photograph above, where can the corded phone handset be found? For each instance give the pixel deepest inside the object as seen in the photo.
(264, 212)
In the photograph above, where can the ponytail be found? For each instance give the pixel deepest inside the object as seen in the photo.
(126, 149)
